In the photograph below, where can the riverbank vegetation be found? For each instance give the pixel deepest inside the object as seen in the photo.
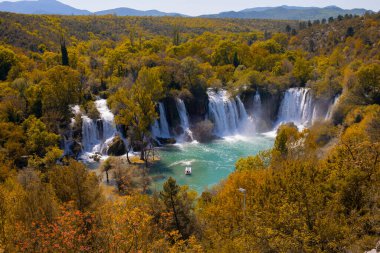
(315, 191)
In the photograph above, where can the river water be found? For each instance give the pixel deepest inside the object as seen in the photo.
(210, 162)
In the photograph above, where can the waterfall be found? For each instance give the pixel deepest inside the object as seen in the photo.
(332, 106)
(184, 118)
(242, 112)
(227, 114)
(90, 137)
(257, 107)
(182, 114)
(98, 134)
(160, 127)
(297, 106)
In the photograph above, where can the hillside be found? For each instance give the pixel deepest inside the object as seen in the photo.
(16, 29)
(41, 7)
(288, 13)
(278, 13)
(133, 12)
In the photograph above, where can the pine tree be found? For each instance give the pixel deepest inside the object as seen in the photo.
(350, 32)
(65, 56)
(236, 60)
(288, 29)
(178, 202)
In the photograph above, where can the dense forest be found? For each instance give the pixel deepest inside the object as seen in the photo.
(316, 190)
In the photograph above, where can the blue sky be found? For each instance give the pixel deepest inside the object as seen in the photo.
(198, 7)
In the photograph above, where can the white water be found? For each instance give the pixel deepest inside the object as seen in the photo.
(257, 107)
(97, 135)
(228, 114)
(184, 118)
(242, 112)
(332, 108)
(160, 127)
(297, 106)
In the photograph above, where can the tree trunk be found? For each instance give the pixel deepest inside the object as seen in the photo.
(128, 149)
(175, 214)
(142, 154)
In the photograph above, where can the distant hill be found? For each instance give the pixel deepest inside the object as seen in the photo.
(41, 7)
(288, 12)
(133, 12)
(280, 13)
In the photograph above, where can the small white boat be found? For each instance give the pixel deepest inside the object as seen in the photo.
(188, 171)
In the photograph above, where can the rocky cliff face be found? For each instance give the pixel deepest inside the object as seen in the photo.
(172, 115)
(197, 106)
(269, 106)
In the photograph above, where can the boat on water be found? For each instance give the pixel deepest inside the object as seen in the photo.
(188, 171)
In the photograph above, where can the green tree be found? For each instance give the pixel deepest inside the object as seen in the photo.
(302, 70)
(350, 32)
(60, 89)
(39, 140)
(286, 135)
(65, 55)
(179, 203)
(7, 60)
(137, 107)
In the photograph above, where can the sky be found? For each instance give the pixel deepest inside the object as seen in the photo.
(198, 7)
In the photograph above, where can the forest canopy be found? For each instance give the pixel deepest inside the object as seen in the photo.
(316, 190)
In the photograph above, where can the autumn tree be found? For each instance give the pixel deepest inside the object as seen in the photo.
(106, 167)
(73, 182)
(61, 89)
(302, 70)
(368, 86)
(39, 139)
(137, 107)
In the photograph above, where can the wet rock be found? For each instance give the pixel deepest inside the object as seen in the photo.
(203, 131)
(76, 148)
(117, 147)
(96, 157)
(171, 111)
(166, 141)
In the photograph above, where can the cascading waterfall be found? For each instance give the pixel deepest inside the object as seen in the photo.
(242, 112)
(332, 107)
(97, 135)
(184, 118)
(257, 107)
(90, 136)
(297, 106)
(228, 115)
(160, 127)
